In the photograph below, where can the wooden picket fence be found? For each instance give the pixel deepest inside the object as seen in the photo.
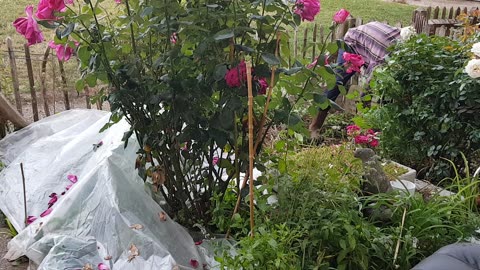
(441, 21)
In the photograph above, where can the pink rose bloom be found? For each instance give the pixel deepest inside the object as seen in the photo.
(236, 75)
(28, 27)
(352, 129)
(307, 9)
(341, 16)
(64, 52)
(174, 38)
(361, 139)
(353, 62)
(47, 8)
(374, 143)
(263, 85)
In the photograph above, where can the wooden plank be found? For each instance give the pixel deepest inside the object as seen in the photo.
(8, 112)
(429, 12)
(314, 42)
(435, 13)
(33, 94)
(64, 85)
(450, 13)
(444, 12)
(87, 96)
(54, 89)
(13, 70)
(43, 76)
(457, 12)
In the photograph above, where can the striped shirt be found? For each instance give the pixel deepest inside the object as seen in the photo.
(371, 42)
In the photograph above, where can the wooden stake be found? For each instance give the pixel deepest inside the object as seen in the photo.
(43, 76)
(13, 69)
(397, 248)
(54, 89)
(251, 153)
(64, 85)
(31, 81)
(87, 96)
(24, 194)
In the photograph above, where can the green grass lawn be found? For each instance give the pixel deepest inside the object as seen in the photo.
(368, 10)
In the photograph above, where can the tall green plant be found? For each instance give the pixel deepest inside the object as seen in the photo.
(176, 74)
(432, 108)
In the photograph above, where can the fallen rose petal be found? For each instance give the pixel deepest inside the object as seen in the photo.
(102, 266)
(163, 216)
(46, 212)
(53, 200)
(72, 178)
(194, 263)
(198, 243)
(136, 226)
(87, 267)
(31, 219)
(107, 258)
(69, 186)
(133, 252)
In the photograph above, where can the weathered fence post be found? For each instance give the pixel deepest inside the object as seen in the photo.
(54, 89)
(43, 76)
(420, 20)
(13, 69)
(31, 81)
(87, 96)
(64, 85)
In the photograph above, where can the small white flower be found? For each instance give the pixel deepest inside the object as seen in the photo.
(476, 49)
(407, 32)
(473, 68)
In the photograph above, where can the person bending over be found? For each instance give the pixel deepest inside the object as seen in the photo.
(370, 41)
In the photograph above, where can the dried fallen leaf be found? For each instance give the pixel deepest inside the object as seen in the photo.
(107, 258)
(136, 226)
(163, 216)
(133, 252)
(87, 267)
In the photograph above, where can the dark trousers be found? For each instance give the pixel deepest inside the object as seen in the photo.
(342, 77)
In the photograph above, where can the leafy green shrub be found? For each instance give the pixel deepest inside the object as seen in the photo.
(433, 109)
(320, 222)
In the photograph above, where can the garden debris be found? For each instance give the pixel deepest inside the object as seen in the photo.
(375, 179)
(107, 258)
(87, 267)
(163, 216)
(133, 252)
(137, 226)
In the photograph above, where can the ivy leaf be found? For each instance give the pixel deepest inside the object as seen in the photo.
(270, 59)
(223, 34)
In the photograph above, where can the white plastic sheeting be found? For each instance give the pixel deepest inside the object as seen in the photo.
(93, 219)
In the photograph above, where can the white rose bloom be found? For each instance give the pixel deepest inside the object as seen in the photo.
(473, 68)
(476, 49)
(407, 32)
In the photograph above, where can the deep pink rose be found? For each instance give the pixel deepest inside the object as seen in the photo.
(237, 75)
(374, 143)
(263, 85)
(64, 52)
(341, 16)
(353, 62)
(361, 139)
(307, 9)
(46, 9)
(28, 27)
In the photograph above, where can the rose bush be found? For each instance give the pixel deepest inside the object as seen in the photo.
(177, 74)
